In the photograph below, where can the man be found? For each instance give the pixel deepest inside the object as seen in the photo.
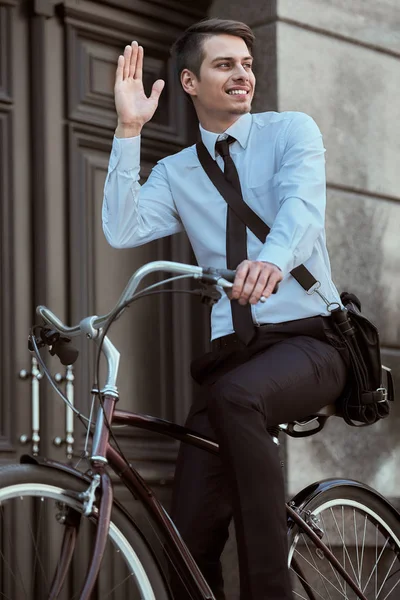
(285, 368)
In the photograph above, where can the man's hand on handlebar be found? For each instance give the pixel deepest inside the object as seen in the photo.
(255, 278)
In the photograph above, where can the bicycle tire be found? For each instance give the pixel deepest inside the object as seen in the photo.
(362, 531)
(26, 492)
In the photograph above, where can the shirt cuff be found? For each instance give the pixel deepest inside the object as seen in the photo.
(125, 153)
(281, 257)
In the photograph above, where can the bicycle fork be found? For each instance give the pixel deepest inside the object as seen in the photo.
(71, 518)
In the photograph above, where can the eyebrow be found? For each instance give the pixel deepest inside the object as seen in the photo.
(230, 58)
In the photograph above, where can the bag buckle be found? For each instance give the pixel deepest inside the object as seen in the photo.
(384, 394)
(315, 289)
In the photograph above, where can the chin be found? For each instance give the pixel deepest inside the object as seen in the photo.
(241, 110)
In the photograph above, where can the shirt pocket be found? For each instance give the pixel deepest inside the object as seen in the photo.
(264, 198)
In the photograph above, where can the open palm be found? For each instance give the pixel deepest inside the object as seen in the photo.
(132, 105)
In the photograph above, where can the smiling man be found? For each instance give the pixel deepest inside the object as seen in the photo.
(270, 361)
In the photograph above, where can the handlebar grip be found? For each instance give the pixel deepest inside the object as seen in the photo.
(227, 274)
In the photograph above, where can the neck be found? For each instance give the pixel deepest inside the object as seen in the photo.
(216, 123)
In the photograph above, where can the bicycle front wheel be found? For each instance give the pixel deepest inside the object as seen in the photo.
(362, 532)
(36, 504)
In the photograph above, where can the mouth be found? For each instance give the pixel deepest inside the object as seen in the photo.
(238, 92)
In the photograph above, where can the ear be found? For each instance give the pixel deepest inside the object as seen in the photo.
(189, 81)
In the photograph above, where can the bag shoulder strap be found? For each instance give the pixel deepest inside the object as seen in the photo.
(244, 212)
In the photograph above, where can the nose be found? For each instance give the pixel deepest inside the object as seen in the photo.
(240, 72)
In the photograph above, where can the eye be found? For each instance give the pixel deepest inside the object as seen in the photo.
(223, 65)
(248, 65)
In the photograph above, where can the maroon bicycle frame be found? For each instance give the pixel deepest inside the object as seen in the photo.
(103, 454)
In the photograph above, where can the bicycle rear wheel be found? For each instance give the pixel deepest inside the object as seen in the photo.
(364, 535)
(34, 506)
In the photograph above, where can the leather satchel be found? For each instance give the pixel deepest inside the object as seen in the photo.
(366, 397)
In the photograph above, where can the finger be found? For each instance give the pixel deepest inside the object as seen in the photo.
(259, 287)
(127, 57)
(241, 274)
(139, 64)
(156, 90)
(251, 283)
(133, 61)
(120, 69)
(273, 281)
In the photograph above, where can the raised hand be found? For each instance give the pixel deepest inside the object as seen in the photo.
(133, 107)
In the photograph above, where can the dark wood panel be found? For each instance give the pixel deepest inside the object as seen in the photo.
(93, 267)
(92, 57)
(7, 267)
(5, 53)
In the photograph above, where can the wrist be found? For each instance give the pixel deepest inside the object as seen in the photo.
(125, 130)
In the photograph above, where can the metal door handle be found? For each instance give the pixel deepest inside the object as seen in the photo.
(69, 415)
(35, 376)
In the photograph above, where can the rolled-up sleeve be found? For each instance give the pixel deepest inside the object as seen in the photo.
(302, 196)
(133, 214)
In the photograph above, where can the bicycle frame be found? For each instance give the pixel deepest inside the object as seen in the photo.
(103, 454)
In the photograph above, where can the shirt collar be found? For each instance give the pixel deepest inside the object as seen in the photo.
(240, 130)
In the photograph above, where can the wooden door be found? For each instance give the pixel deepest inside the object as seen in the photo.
(57, 64)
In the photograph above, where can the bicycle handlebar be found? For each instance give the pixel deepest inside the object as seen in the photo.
(221, 277)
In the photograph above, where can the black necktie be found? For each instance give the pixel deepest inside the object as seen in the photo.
(236, 245)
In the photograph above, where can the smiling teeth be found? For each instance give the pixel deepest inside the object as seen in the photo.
(241, 92)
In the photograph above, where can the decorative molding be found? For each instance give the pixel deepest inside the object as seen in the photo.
(5, 54)
(43, 8)
(7, 306)
(177, 13)
(91, 72)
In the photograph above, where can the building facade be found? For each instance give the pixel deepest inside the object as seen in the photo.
(335, 60)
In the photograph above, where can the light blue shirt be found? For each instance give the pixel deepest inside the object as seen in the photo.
(281, 165)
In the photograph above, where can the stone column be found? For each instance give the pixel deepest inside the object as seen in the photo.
(338, 61)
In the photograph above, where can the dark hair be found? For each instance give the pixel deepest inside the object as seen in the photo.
(188, 48)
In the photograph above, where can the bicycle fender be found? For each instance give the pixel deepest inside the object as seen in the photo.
(300, 500)
(42, 461)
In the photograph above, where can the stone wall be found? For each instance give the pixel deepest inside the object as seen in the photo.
(339, 61)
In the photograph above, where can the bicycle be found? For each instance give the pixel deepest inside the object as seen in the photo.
(344, 537)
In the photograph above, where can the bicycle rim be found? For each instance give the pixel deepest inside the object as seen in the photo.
(365, 538)
(31, 533)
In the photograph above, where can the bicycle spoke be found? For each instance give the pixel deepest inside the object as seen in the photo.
(344, 546)
(338, 579)
(356, 544)
(36, 551)
(118, 585)
(322, 575)
(386, 578)
(376, 565)
(394, 587)
(376, 555)
(363, 547)
(313, 559)
(309, 585)
(36, 547)
(20, 581)
(344, 555)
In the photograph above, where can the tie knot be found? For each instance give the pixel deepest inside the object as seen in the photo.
(222, 147)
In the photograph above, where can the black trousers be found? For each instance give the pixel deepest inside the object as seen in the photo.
(289, 371)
